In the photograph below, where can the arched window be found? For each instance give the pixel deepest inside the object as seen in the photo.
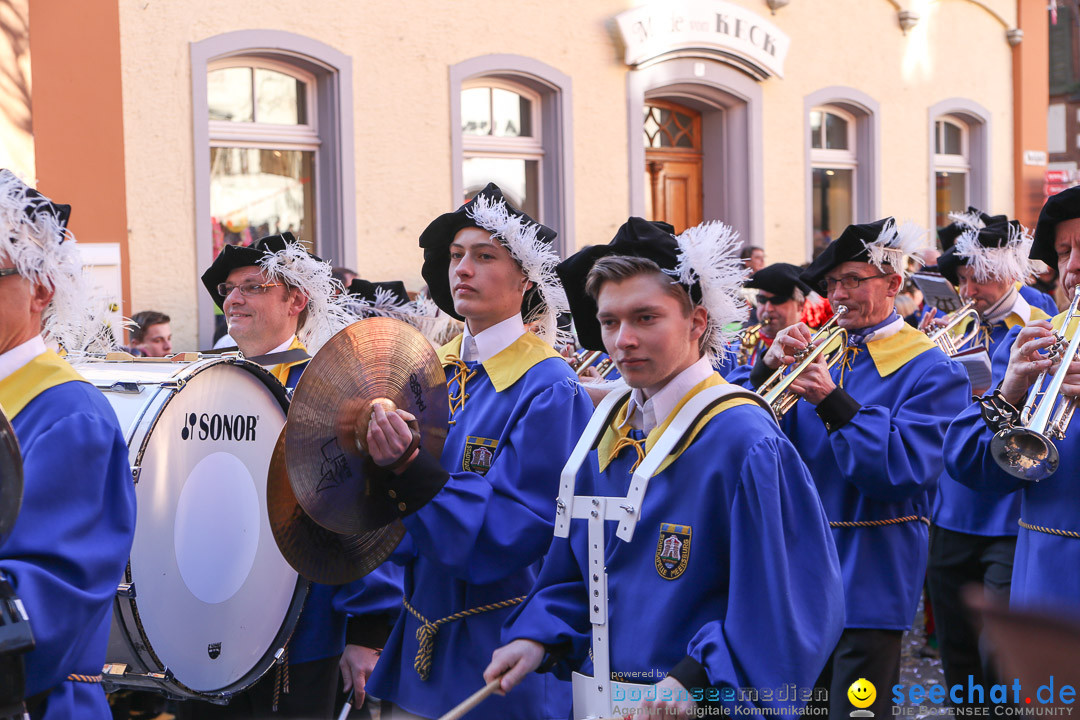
(264, 148)
(502, 142)
(834, 169)
(952, 168)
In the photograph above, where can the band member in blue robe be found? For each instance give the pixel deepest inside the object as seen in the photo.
(1048, 528)
(870, 429)
(730, 579)
(973, 534)
(67, 551)
(779, 299)
(282, 304)
(480, 517)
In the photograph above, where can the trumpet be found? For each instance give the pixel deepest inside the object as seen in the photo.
(1027, 450)
(748, 339)
(582, 359)
(775, 390)
(943, 337)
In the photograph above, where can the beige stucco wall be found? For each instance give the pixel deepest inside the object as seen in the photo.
(16, 132)
(401, 54)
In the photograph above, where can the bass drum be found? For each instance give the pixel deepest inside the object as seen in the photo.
(208, 601)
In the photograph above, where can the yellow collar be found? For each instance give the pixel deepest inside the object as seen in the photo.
(1059, 319)
(506, 368)
(281, 371)
(1013, 319)
(45, 371)
(893, 352)
(619, 428)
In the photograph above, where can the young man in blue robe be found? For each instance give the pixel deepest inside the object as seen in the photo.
(1047, 541)
(871, 429)
(282, 303)
(730, 578)
(67, 551)
(973, 534)
(480, 517)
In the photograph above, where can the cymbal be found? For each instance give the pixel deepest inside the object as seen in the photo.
(374, 361)
(318, 554)
(11, 478)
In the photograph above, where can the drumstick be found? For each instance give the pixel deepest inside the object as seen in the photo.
(473, 700)
(348, 705)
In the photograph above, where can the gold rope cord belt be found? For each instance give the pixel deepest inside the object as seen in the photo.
(425, 634)
(84, 678)
(1049, 531)
(879, 523)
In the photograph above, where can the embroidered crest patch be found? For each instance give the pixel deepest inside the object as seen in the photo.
(478, 454)
(672, 550)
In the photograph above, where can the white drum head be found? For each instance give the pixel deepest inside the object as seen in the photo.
(212, 589)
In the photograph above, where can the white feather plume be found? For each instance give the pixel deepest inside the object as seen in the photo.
(1008, 262)
(895, 245)
(327, 307)
(537, 260)
(968, 219)
(45, 253)
(709, 256)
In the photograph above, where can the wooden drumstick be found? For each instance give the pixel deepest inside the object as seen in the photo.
(473, 700)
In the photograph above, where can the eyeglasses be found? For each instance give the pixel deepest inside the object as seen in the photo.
(246, 289)
(4, 272)
(850, 282)
(774, 299)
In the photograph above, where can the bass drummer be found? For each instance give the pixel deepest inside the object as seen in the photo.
(68, 548)
(281, 303)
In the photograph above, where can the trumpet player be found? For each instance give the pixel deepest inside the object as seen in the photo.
(973, 534)
(1048, 526)
(779, 301)
(870, 431)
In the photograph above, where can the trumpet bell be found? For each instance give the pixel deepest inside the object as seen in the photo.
(1025, 454)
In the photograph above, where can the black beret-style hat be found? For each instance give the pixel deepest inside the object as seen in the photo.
(439, 234)
(974, 217)
(232, 257)
(1058, 208)
(779, 279)
(971, 250)
(850, 246)
(652, 240)
(368, 291)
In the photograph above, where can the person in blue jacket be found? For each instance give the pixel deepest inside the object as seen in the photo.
(67, 551)
(282, 303)
(870, 429)
(480, 517)
(1047, 541)
(977, 219)
(730, 578)
(973, 534)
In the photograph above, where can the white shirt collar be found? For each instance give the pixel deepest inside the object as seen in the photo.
(488, 343)
(283, 346)
(645, 414)
(16, 357)
(888, 331)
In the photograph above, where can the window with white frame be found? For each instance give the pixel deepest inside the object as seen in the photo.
(834, 168)
(264, 151)
(952, 168)
(503, 142)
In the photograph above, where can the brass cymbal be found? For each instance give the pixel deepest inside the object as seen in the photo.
(374, 361)
(318, 554)
(11, 478)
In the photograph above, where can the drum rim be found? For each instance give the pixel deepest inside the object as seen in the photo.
(127, 607)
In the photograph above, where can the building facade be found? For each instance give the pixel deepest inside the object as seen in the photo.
(175, 126)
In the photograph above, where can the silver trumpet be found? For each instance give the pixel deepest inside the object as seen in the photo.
(943, 337)
(1027, 451)
(775, 390)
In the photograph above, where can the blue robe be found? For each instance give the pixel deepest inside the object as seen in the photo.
(759, 602)
(480, 540)
(882, 464)
(70, 545)
(1043, 565)
(1039, 299)
(958, 507)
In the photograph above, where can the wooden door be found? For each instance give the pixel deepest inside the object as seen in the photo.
(673, 187)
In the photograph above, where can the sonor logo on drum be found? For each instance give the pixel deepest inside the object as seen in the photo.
(217, 426)
(213, 650)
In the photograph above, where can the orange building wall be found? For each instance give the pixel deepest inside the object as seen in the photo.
(1031, 92)
(78, 115)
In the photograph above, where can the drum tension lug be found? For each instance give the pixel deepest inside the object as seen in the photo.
(136, 470)
(126, 590)
(279, 656)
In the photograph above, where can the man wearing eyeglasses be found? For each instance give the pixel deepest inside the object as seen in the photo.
(779, 301)
(870, 430)
(281, 303)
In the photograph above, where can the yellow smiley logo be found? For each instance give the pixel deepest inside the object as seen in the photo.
(862, 693)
